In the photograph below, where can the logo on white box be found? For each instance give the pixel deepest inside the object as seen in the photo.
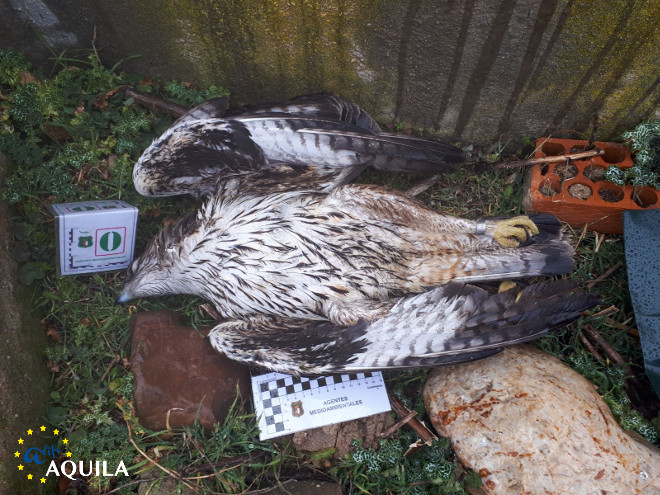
(110, 241)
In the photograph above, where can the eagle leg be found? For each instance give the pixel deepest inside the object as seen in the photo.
(512, 232)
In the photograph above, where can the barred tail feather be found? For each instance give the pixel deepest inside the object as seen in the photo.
(451, 324)
(393, 152)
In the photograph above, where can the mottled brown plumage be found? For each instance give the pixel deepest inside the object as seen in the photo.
(312, 275)
(335, 256)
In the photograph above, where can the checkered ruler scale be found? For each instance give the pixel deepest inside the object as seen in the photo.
(285, 404)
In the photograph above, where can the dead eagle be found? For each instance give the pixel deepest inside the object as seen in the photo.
(361, 277)
(318, 140)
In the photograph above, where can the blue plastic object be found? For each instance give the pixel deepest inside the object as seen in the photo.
(641, 230)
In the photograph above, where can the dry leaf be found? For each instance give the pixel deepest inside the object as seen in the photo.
(26, 77)
(53, 334)
(57, 133)
(102, 101)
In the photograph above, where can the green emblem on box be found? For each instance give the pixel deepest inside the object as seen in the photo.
(85, 241)
(94, 236)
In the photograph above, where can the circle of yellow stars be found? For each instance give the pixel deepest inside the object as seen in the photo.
(29, 432)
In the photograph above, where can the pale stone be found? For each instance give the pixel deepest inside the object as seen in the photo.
(529, 424)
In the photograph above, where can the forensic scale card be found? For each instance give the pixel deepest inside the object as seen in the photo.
(285, 404)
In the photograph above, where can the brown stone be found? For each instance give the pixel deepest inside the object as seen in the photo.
(170, 486)
(178, 374)
(527, 423)
(340, 435)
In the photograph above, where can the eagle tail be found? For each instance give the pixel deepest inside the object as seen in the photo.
(450, 324)
(394, 152)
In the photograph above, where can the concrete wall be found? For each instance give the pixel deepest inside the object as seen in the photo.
(474, 70)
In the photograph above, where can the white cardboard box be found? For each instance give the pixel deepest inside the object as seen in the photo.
(94, 236)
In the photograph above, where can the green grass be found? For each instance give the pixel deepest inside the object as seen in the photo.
(73, 137)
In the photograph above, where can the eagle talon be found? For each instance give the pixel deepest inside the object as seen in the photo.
(512, 232)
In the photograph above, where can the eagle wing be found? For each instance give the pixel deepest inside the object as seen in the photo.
(332, 136)
(450, 324)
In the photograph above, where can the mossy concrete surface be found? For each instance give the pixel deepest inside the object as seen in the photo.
(474, 71)
(24, 379)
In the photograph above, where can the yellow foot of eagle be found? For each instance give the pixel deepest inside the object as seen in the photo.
(512, 232)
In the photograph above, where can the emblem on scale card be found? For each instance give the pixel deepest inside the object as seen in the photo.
(297, 409)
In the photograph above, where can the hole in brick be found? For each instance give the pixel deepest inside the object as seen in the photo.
(644, 196)
(611, 193)
(580, 191)
(550, 186)
(614, 154)
(566, 170)
(544, 169)
(553, 149)
(594, 173)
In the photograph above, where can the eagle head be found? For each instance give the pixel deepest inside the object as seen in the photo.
(162, 268)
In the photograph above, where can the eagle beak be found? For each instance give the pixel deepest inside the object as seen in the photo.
(125, 296)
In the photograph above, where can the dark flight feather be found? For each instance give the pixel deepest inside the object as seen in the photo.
(335, 138)
(451, 324)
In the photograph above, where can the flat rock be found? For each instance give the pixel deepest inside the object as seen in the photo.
(340, 435)
(176, 370)
(529, 424)
(303, 487)
(170, 486)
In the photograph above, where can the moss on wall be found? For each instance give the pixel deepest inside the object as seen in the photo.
(473, 70)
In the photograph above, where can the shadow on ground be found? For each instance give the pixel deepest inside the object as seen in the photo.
(24, 379)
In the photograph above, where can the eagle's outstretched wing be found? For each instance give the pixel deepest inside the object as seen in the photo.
(334, 138)
(450, 324)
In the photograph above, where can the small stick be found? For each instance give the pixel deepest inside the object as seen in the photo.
(225, 464)
(114, 361)
(590, 347)
(171, 473)
(418, 427)
(399, 425)
(552, 159)
(593, 335)
(640, 396)
(605, 275)
(418, 189)
(621, 326)
(211, 311)
(153, 103)
(605, 312)
(594, 131)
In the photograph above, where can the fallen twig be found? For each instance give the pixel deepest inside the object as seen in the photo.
(590, 347)
(552, 159)
(418, 189)
(606, 312)
(399, 424)
(211, 311)
(594, 336)
(153, 103)
(605, 275)
(640, 395)
(225, 464)
(169, 472)
(114, 361)
(418, 427)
